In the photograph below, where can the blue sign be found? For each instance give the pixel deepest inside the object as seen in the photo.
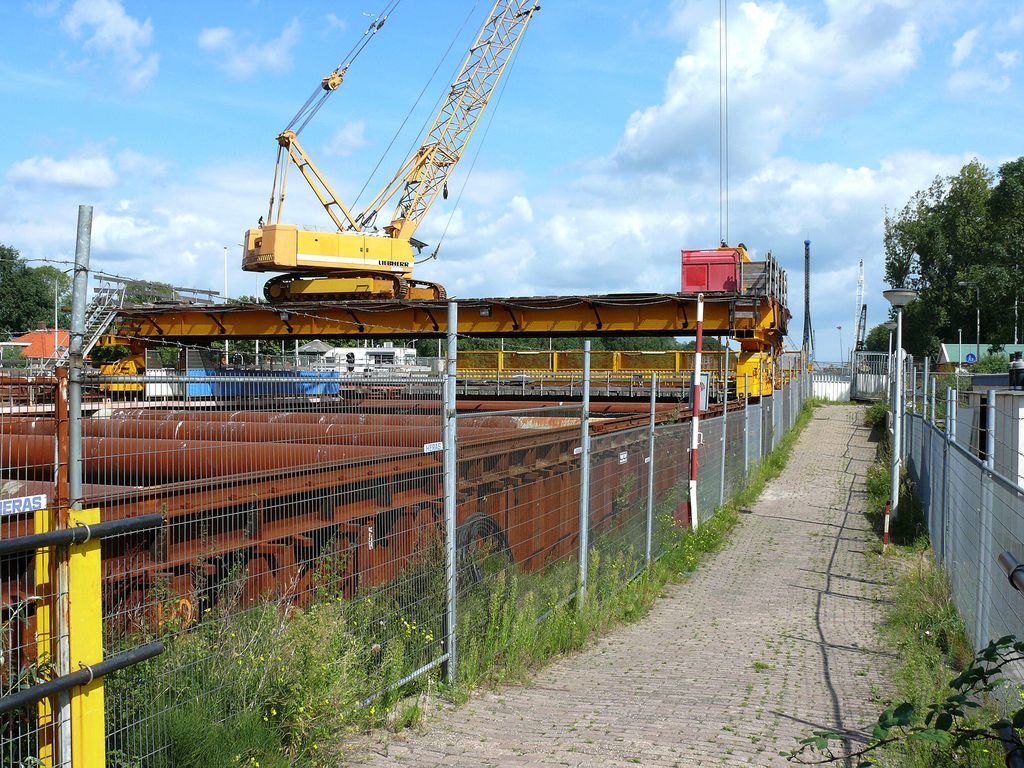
(971, 357)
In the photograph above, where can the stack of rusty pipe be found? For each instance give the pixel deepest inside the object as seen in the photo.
(270, 494)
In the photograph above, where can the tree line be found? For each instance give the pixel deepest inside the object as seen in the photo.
(960, 243)
(27, 295)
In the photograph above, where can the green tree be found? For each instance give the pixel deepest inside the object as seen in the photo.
(966, 228)
(26, 293)
(877, 339)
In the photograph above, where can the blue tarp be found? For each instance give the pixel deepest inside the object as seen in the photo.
(276, 383)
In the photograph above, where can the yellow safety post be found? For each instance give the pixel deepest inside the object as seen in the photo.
(85, 627)
(44, 590)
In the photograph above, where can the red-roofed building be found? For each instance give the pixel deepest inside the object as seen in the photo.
(40, 343)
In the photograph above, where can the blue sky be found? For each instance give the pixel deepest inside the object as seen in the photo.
(600, 164)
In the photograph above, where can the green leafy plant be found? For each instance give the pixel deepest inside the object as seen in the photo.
(948, 723)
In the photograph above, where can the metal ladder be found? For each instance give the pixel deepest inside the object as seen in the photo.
(110, 294)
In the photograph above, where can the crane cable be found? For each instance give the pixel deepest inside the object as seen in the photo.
(417, 140)
(723, 121)
(320, 94)
(476, 155)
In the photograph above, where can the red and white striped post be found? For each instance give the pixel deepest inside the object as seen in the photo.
(695, 425)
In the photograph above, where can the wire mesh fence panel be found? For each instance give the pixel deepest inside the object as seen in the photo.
(671, 482)
(754, 421)
(300, 511)
(778, 422)
(32, 480)
(518, 522)
(1006, 606)
(735, 477)
(964, 496)
(618, 507)
(767, 425)
(787, 407)
(709, 467)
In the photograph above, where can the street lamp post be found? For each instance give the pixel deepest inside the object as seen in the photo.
(227, 344)
(899, 298)
(842, 357)
(977, 312)
(889, 367)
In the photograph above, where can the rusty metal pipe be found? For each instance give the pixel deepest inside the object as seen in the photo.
(353, 420)
(123, 461)
(282, 417)
(248, 432)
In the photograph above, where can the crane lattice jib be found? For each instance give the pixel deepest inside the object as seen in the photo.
(461, 112)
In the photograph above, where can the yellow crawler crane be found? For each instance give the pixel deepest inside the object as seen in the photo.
(358, 262)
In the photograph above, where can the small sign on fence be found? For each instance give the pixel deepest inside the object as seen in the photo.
(22, 504)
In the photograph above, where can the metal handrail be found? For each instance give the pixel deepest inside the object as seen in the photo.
(79, 534)
(28, 696)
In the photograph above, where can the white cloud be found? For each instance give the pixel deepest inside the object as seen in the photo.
(1008, 59)
(85, 172)
(136, 164)
(779, 76)
(214, 38)
(347, 139)
(333, 22)
(112, 33)
(240, 60)
(968, 82)
(44, 8)
(963, 46)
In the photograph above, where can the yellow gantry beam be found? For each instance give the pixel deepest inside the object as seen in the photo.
(758, 322)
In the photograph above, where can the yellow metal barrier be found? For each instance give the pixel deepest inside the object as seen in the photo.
(45, 587)
(85, 618)
(85, 635)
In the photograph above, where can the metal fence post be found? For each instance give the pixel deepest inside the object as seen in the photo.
(581, 595)
(650, 469)
(760, 421)
(946, 517)
(746, 427)
(451, 489)
(985, 555)
(725, 424)
(83, 244)
(934, 387)
(924, 390)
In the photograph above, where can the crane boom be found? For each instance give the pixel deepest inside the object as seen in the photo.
(356, 261)
(460, 114)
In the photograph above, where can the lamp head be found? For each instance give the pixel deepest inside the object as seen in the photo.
(900, 297)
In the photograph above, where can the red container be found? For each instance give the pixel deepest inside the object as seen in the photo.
(714, 271)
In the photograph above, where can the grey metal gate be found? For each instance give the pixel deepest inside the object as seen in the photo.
(870, 379)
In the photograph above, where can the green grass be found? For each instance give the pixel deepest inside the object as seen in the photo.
(273, 686)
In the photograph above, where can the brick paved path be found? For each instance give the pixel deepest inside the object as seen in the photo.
(769, 640)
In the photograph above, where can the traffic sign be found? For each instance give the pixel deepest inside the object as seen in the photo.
(971, 357)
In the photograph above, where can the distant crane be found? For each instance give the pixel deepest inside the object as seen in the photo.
(862, 324)
(859, 301)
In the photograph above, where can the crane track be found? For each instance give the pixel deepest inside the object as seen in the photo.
(402, 287)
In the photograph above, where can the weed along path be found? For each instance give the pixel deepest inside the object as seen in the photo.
(772, 638)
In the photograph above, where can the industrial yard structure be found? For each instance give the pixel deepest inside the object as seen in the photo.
(215, 491)
(145, 505)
